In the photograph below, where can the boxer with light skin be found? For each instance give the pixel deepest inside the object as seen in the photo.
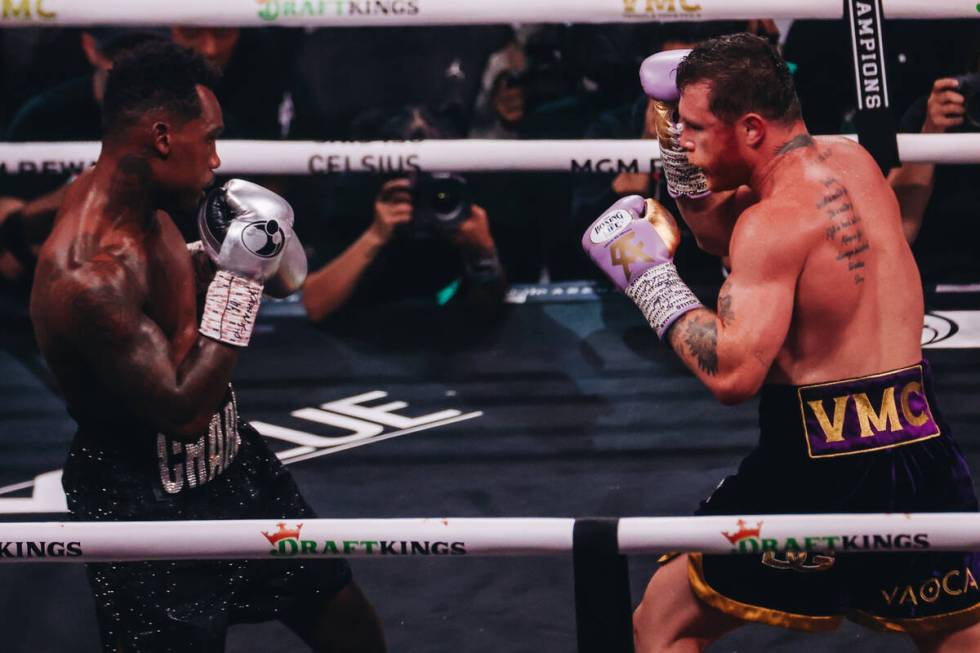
(114, 310)
(822, 317)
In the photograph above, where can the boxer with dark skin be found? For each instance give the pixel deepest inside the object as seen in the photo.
(114, 308)
(823, 293)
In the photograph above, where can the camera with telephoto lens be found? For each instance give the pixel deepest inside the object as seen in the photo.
(969, 88)
(440, 201)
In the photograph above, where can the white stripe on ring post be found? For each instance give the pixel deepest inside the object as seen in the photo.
(358, 13)
(469, 155)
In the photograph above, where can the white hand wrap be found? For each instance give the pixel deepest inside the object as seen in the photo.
(683, 179)
(230, 309)
(662, 297)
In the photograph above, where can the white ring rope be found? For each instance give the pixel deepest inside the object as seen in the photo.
(369, 538)
(355, 13)
(468, 155)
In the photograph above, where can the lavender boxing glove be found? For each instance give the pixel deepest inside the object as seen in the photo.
(658, 77)
(633, 243)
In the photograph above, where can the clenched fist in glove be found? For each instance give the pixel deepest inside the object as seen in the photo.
(247, 230)
(633, 243)
(658, 76)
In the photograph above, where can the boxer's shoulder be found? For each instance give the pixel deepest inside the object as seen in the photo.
(101, 294)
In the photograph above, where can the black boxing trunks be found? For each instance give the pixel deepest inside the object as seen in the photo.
(228, 473)
(873, 444)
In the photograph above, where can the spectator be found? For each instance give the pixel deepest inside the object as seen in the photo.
(940, 204)
(70, 111)
(343, 70)
(378, 248)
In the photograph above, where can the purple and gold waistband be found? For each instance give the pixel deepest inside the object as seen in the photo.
(867, 414)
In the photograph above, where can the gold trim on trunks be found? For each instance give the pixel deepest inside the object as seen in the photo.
(749, 612)
(948, 621)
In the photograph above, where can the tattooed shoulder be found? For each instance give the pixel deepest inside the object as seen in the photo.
(801, 140)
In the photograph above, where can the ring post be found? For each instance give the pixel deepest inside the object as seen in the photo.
(603, 607)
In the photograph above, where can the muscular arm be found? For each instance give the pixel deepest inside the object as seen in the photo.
(731, 350)
(712, 218)
(130, 356)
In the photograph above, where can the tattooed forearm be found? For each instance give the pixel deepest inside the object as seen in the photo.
(802, 140)
(698, 332)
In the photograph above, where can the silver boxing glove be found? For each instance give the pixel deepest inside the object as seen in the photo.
(291, 273)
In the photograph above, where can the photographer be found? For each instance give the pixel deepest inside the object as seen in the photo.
(425, 239)
(940, 204)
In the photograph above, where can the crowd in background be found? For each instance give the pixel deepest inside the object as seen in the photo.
(381, 237)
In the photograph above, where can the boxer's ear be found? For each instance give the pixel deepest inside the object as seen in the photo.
(752, 128)
(162, 139)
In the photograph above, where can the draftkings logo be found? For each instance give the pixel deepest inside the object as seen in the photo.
(25, 10)
(40, 549)
(271, 10)
(661, 9)
(286, 542)
(749, 539)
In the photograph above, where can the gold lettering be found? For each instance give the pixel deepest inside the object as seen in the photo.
(946, 588)
(927, 595)
(909, 593)
(662, 5)
(42, 13)
(629, 6)
(10, 9)
(687, 7)
(889, 597)
(912, 418)
(970, 580)
(832, 432)
(868, 417)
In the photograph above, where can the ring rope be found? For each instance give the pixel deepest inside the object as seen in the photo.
(451, 536)
(359, 13)
(467, 155)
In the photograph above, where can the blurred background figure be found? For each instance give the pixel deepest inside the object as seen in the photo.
(941, 203)
(408, 236)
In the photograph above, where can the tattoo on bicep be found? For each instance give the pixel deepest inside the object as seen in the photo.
(701, 338)
(844, 227)
(801, 140)
(725, 311)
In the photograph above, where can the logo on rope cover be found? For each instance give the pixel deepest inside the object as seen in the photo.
(750, 540)
(272, 10)
(286, 542)
(40, 549)
(743, 533)
(661, 9)
(21, 10)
